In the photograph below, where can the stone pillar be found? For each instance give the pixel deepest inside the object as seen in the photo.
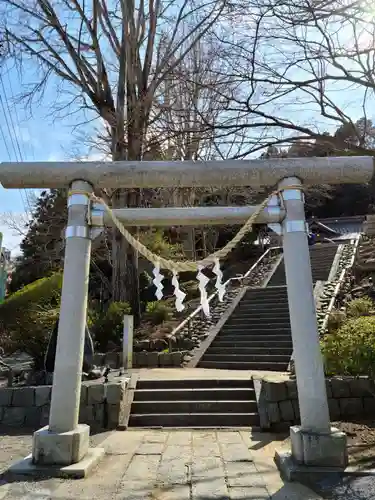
(64, 444)
(311, 386)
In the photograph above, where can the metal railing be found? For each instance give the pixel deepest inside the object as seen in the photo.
(187, 322)
(339, 284)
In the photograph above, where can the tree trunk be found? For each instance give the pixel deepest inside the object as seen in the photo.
(125, 276)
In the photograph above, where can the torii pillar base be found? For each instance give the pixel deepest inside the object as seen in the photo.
(319, 453)
(65, 454)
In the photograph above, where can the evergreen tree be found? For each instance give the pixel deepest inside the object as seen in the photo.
(43, 246)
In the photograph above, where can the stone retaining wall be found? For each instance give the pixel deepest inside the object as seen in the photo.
(348, 397)
(141, 359)
(101, 405)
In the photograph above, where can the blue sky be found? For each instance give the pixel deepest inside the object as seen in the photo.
(30, 137)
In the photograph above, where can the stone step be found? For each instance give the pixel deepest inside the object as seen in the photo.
(190, 383)
(196, 394)
(234, 365)
(186, 407)
(250, 338)
(259, 315)
(256, 305)
(245, 358)
(195, 420)
(241, 350)
(258, 322)
(283, 327)
(251, 344)
(274, 291)
(260, 311)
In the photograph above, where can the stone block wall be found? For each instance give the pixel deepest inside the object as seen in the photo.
(348, 397)
(101, 405)
(141, 359)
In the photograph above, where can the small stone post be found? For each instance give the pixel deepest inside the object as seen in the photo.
(314, 442)
(127, 343)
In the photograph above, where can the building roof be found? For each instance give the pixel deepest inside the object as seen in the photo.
(340, 227)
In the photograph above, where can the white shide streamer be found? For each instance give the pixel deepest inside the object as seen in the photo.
(157, 281)
(179, 294)
(203, 281)
(220, 286)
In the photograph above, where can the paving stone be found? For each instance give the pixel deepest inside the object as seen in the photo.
(150, 449)
(142, 467)
(210, 490)
(201, 438)
(175, 471)
(23, 396)
(180, 438)
(42, 395)
(243, 475)
(207, 467)
(177, 451)
(177, 492)
(236, 453)
(210, 450)
(156, 437)
(254, 493)
(229, 437)
(139, 490)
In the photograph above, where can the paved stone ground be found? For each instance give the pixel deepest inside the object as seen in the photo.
(162, 465)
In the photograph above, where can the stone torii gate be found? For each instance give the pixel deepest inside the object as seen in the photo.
(63, 446)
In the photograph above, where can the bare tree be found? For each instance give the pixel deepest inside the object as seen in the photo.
(109, 58)
(301, 68)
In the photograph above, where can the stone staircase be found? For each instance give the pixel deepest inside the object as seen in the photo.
(257, 336)
(194, 403)
(321, 257)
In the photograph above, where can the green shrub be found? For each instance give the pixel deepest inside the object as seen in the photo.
(359, 307)
(28, 316)
(157, 312)
(335, 320)
(351, 350)
(109, 326)
(155, 241)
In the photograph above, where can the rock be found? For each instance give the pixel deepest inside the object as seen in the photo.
(88, 354)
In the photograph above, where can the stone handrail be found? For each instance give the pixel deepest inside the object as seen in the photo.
(339, 284)
(187, 321)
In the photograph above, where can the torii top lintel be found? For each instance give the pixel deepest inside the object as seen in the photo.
(225, 173)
